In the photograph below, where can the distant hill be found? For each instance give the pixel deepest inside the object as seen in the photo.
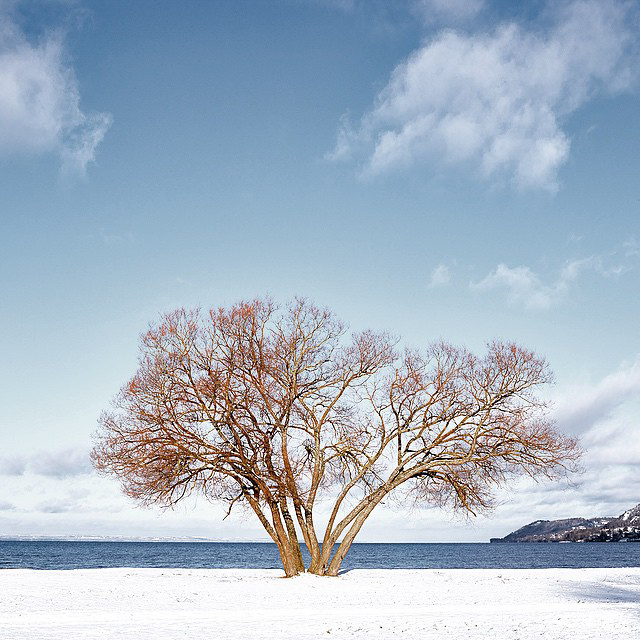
(624, 528)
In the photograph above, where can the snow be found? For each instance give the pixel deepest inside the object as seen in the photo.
(163, 604)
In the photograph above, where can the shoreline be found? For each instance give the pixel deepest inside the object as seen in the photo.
(166, 604)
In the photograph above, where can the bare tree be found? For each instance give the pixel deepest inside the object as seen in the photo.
(276, 408)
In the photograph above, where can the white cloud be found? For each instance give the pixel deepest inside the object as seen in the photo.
(605, 415)
(525, 288)
(62, 463)
(440, 276)
(584, 407)
(631, 247)
(40, 101)
(15, 466)
(454, 10)
(342, 5)
(57, 506)
(496, 100)
(116, 239)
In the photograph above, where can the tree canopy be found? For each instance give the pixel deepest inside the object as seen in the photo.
(278, 408)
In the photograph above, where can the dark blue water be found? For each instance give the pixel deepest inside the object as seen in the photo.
(244, 555)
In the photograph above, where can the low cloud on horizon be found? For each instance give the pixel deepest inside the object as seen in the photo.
(59, 464)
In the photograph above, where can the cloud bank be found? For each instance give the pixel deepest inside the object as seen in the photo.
(496, 100)
(586, 408)
(62, 463)
(605, 415)
(40, 101)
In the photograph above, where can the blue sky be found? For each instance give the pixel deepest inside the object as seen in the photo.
(457, 170)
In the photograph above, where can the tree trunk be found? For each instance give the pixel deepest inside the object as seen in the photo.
(287, 554)
(347, 541)
(294, 545)
(289, 563)
(305, 522)
(354, 522)
(316, 566)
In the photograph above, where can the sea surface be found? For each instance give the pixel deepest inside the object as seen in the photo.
(28, 554)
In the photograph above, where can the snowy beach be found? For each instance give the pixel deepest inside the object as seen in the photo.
(231, 603)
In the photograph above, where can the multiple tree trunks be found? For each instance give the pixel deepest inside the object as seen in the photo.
(275, 408)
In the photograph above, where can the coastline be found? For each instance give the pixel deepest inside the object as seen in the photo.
(373, 603)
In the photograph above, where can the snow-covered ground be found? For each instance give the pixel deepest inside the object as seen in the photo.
(177, 604)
